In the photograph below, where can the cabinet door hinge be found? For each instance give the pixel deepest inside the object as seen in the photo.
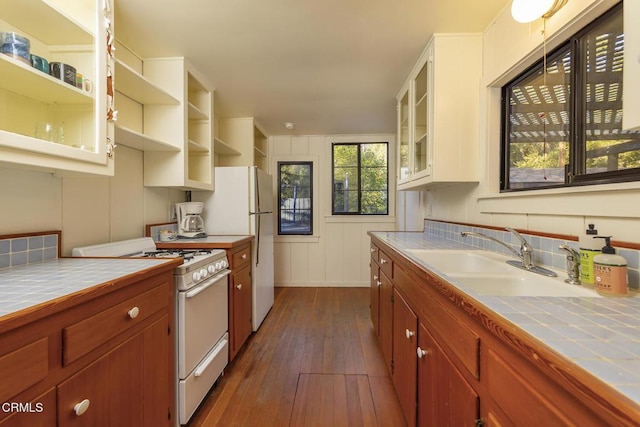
(393, 299)
(168, 413)
(168, 329)
(479, 422)
(392, 365)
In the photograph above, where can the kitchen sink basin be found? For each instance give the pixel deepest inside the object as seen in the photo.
(520, 284)
(459, 261)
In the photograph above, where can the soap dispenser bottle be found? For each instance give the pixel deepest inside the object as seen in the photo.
(610, 271)
(589, 248)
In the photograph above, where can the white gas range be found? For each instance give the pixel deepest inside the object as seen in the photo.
(201, 321)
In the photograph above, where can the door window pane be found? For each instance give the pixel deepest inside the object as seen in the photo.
(295, 197)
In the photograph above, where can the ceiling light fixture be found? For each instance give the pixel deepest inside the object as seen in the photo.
(525, 11)
(288, 125)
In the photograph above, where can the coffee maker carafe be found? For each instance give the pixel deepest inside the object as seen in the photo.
(190, 223)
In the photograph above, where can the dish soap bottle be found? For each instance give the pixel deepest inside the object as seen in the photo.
(589, 248)
(610, 271)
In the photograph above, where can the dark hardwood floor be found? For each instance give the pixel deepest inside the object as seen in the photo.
(313, 362)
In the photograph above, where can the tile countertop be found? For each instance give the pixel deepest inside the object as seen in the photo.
(213, 242)
(599, 334)
(39, 284)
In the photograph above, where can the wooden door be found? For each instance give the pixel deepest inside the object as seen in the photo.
(445, 398)
(240, 291)
(405, 370)
(90, 384)
(386, 320)
(374, 305)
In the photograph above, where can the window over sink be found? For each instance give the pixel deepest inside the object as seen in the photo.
(562, 118)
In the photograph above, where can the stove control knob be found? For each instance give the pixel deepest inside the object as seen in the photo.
(225, 263)
(196, 276)
(204, 273)
(211, 269)
(220, 265)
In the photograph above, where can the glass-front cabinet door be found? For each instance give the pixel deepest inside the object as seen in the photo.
(404, 169)
(54, 98)
(420, 122)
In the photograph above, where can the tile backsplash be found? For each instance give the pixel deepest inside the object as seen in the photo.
(25, 250)
(545, 249)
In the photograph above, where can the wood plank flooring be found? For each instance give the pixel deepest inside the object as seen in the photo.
(314, 361)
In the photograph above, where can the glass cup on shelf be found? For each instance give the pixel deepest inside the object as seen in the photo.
(50, 131)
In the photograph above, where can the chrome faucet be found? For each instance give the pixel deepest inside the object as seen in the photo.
(525, 255)
(573, 265)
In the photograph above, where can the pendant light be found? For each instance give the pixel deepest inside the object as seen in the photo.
(525, 11)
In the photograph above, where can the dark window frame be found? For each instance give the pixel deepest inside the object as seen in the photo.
(359, 190)
(303, 163)
(575, 171)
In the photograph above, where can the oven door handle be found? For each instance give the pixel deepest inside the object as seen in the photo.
(214, 353)
(204, 285)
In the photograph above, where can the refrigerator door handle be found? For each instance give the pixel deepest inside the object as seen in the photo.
(258, 221)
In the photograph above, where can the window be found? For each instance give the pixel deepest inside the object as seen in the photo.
(295, 198)
(360, 179)
(563, 127)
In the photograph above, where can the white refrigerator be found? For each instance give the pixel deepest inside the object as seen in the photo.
(242, 204)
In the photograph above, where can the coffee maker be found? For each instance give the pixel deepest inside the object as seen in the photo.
(190, 223)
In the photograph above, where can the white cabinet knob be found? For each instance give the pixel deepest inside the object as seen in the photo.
(379, 283)
(409, 333)
(239, 286)
(133, 313)
(81, 408)
(382, 260)
(421, 353)
(372, 250)
(244, 256)
(375, 277)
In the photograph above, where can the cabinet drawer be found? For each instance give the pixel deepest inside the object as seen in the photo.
(86, 335)
(374, 252)
(463, 342)
(23, 368)
(385, 263)
(241, 257)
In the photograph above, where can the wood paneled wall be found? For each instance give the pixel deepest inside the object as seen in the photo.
(338, 252)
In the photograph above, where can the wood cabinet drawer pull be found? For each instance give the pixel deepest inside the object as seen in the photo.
(81, 408)
(409, 333)
(421, 353)
(133, 313)
(239, 286)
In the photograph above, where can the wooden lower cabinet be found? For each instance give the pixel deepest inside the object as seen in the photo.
(126, 379)
(468, 369)
(445, 398)
(405, 366)
(240, 289)
(386, 321)
(374, 303)
(240, 297)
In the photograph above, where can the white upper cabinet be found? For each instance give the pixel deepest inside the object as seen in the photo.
(438, 119)
(248, 141)
(50, 123)
(631, 82)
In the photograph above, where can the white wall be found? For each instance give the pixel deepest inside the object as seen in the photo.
(88, 210)
(509, 48)
(338, 252)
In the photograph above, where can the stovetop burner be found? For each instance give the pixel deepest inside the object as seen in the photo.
(187, 254)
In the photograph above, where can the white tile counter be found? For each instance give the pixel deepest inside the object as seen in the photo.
(32, 285)
(599, 334)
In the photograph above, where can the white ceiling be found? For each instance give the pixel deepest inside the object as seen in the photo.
(329, 66)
